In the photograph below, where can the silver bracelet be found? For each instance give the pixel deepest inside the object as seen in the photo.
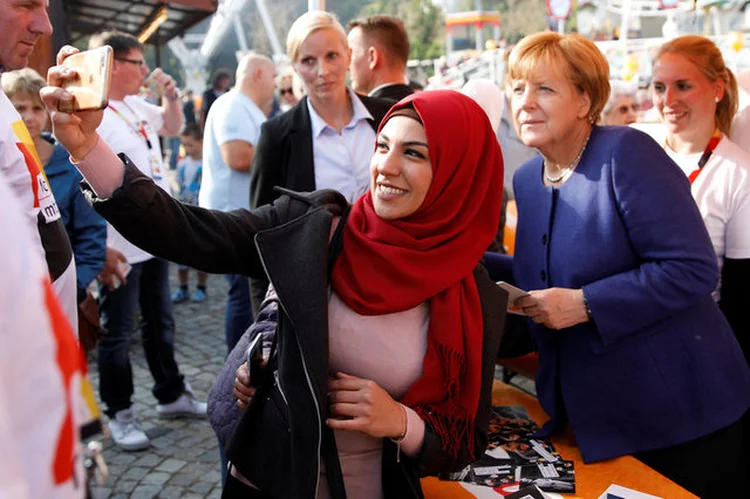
(402, 436)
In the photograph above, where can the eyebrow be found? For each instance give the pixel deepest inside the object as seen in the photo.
(408, 142)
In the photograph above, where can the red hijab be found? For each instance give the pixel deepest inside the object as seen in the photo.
(388, 266)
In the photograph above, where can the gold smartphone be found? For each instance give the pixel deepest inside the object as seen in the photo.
(90, 89)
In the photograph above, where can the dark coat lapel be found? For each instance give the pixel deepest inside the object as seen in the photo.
(302, 244)
(300, 167)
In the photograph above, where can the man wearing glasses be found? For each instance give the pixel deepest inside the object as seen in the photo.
(132, 278)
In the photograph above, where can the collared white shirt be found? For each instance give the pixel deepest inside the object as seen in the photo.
(342, 161)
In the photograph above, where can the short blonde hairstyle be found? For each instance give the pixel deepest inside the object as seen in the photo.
(26, 82)
(307, 24)
(583, 63)
(706, 56)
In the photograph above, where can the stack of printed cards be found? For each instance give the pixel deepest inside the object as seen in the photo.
(514, 459)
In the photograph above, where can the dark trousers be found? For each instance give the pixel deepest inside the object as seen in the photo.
(239, 314)
(147, 288)
(713, 466)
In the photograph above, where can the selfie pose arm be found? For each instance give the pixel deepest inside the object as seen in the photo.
(212, 241)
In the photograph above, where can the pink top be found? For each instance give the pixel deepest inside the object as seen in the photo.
(102, 169)
(388, 349)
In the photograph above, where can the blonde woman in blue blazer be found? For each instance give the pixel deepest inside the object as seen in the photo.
(634, 353)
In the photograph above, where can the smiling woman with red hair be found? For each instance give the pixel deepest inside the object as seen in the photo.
(634, 354)
(696, 96)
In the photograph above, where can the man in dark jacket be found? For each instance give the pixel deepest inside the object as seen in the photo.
(219, 86)
(380, 50)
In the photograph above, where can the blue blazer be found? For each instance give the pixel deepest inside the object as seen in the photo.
(658, 365)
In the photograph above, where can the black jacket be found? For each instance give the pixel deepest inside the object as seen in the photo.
(269, 240)
(284, 158)
(393, 93)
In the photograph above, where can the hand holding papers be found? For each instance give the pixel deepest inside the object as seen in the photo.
(514, 294)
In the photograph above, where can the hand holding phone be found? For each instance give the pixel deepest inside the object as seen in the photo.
(90, 87)
(252, 373)
(115, 270)
(119, 277)
(255, 359)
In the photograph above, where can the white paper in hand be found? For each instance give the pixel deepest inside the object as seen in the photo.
(514, 294)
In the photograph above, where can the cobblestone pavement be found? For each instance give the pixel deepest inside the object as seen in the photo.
(183, 461)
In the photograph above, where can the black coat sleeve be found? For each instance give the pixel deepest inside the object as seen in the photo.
(735, 297)
(207, 240)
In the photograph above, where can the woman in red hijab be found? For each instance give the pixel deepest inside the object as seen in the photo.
(388, 325)
(407, 337)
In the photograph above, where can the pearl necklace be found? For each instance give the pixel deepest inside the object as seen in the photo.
(566, 171)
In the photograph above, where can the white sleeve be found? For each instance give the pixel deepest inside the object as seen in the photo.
(16, 174)
(13, 481)
(34, 395)
(737, 244)
(235, 124)
(741, 129)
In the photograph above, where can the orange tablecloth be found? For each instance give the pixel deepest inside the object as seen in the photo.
(591, 479)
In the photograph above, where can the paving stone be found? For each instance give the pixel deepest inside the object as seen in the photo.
(199, 469)
(182, 479)
(213, 476)
(209, 456)
(148, 461)
(171, 465)
(127, 485)
(215, 493)
(100, 492)
(172, 493)
(146, 492)
(201, 487)
(155, 478)
(121, 458)
(134, 473)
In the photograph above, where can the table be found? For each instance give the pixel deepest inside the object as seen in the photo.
(591, 479)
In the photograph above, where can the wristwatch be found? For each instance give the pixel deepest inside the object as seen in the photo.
(588, 309)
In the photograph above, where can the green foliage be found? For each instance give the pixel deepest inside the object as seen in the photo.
(424, 21)
(518, 18)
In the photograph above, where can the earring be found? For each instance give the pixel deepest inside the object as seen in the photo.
(717, 99)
